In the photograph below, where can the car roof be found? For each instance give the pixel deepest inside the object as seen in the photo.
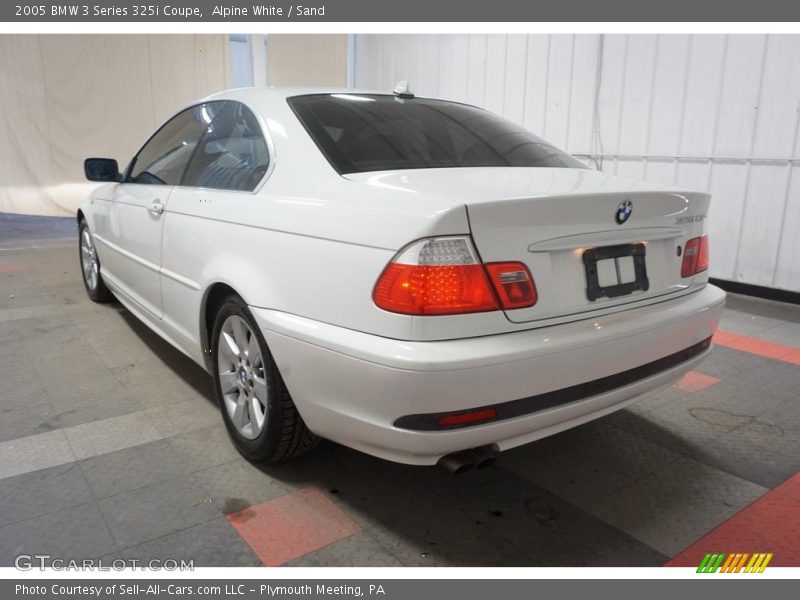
(274, 93)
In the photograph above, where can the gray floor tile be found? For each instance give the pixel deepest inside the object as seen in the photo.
(168, 389)
(131, 468)
(42, 492)
(109, 435)
(72, 534)
(762, 452)
(115, 355)
(34, 452)
(746, 324)
(157, 510)
(584, 464)
(30, 307)
(423, 544)
(359, 550)
(25, 411)
(764, 308)
(675, 506)
(239, 484)
(204, 448)
(211, 544)
(786, 415)
(89, 408)
(784, 333)
(185, 417)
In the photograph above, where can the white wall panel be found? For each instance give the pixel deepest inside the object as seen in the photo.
(787, 272)
(728, 188)
(739, 97)
(514, 85)
(637, 98)
(718, 113)
(536, 78)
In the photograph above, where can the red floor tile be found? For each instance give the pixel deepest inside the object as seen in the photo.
(291, 526)
(759, 347)
(770, 524)
(694, 382)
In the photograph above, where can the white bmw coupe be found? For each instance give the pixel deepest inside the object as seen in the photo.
(418, 279)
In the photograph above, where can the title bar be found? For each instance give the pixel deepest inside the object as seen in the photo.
(194, 11)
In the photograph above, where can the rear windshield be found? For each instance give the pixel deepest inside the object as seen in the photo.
(364, 132)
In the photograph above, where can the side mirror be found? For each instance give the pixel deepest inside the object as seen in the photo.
(101, 169)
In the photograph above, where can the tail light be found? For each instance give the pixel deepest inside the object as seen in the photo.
(695, 256)
(513, 283)
(443, 276)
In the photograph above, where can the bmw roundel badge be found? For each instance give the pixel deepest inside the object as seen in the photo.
(624, 211)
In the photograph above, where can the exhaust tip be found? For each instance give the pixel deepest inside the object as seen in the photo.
(464, 460)
(463, 468)
(457, 462)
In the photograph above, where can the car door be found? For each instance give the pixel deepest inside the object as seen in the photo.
(209, 212)
(134, 223)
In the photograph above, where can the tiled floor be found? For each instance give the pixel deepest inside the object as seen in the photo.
(111, 445)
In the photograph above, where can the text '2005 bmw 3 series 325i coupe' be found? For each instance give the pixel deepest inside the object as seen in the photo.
(420, 280)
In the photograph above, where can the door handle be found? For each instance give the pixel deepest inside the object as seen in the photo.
(156, 207)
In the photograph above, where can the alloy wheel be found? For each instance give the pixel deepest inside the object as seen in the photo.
(242, 377)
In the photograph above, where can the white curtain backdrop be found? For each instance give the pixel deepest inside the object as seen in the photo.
(66, 97)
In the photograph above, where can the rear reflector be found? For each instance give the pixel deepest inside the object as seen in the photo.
(513, 283)
(695, 256)
(467, 418)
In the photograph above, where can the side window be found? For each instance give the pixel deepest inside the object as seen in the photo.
(163, 159)
(233, 155)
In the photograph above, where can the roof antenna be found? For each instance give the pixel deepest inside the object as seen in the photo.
(402, 90)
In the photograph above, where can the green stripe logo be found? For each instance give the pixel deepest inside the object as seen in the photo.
(711, 563)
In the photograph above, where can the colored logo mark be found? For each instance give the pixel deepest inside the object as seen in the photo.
(735, 562)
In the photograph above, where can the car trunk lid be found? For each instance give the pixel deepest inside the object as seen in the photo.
(590, 240)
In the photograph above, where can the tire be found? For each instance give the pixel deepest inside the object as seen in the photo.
(90, 266)
(243, 388)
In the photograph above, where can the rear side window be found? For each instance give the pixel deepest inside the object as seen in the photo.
(366, 132)
(233, 153)
(163, 159)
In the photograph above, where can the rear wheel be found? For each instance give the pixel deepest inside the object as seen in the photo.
(90, 266)
(258, 411)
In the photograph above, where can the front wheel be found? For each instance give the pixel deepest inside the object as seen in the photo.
(90, 266)
(259, 413)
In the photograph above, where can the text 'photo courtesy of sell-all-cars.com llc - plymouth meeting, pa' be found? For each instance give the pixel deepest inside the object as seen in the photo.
(417, 279)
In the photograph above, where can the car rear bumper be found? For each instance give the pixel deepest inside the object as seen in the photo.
(360, 390)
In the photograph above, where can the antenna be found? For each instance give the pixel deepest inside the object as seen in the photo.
(402, 89)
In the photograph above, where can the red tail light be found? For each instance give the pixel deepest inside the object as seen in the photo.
(442, 276)
(513, 283)
(434, 290)
(695, 256)
(702, 255)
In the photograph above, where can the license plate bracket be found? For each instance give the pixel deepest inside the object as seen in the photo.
(590, 258)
